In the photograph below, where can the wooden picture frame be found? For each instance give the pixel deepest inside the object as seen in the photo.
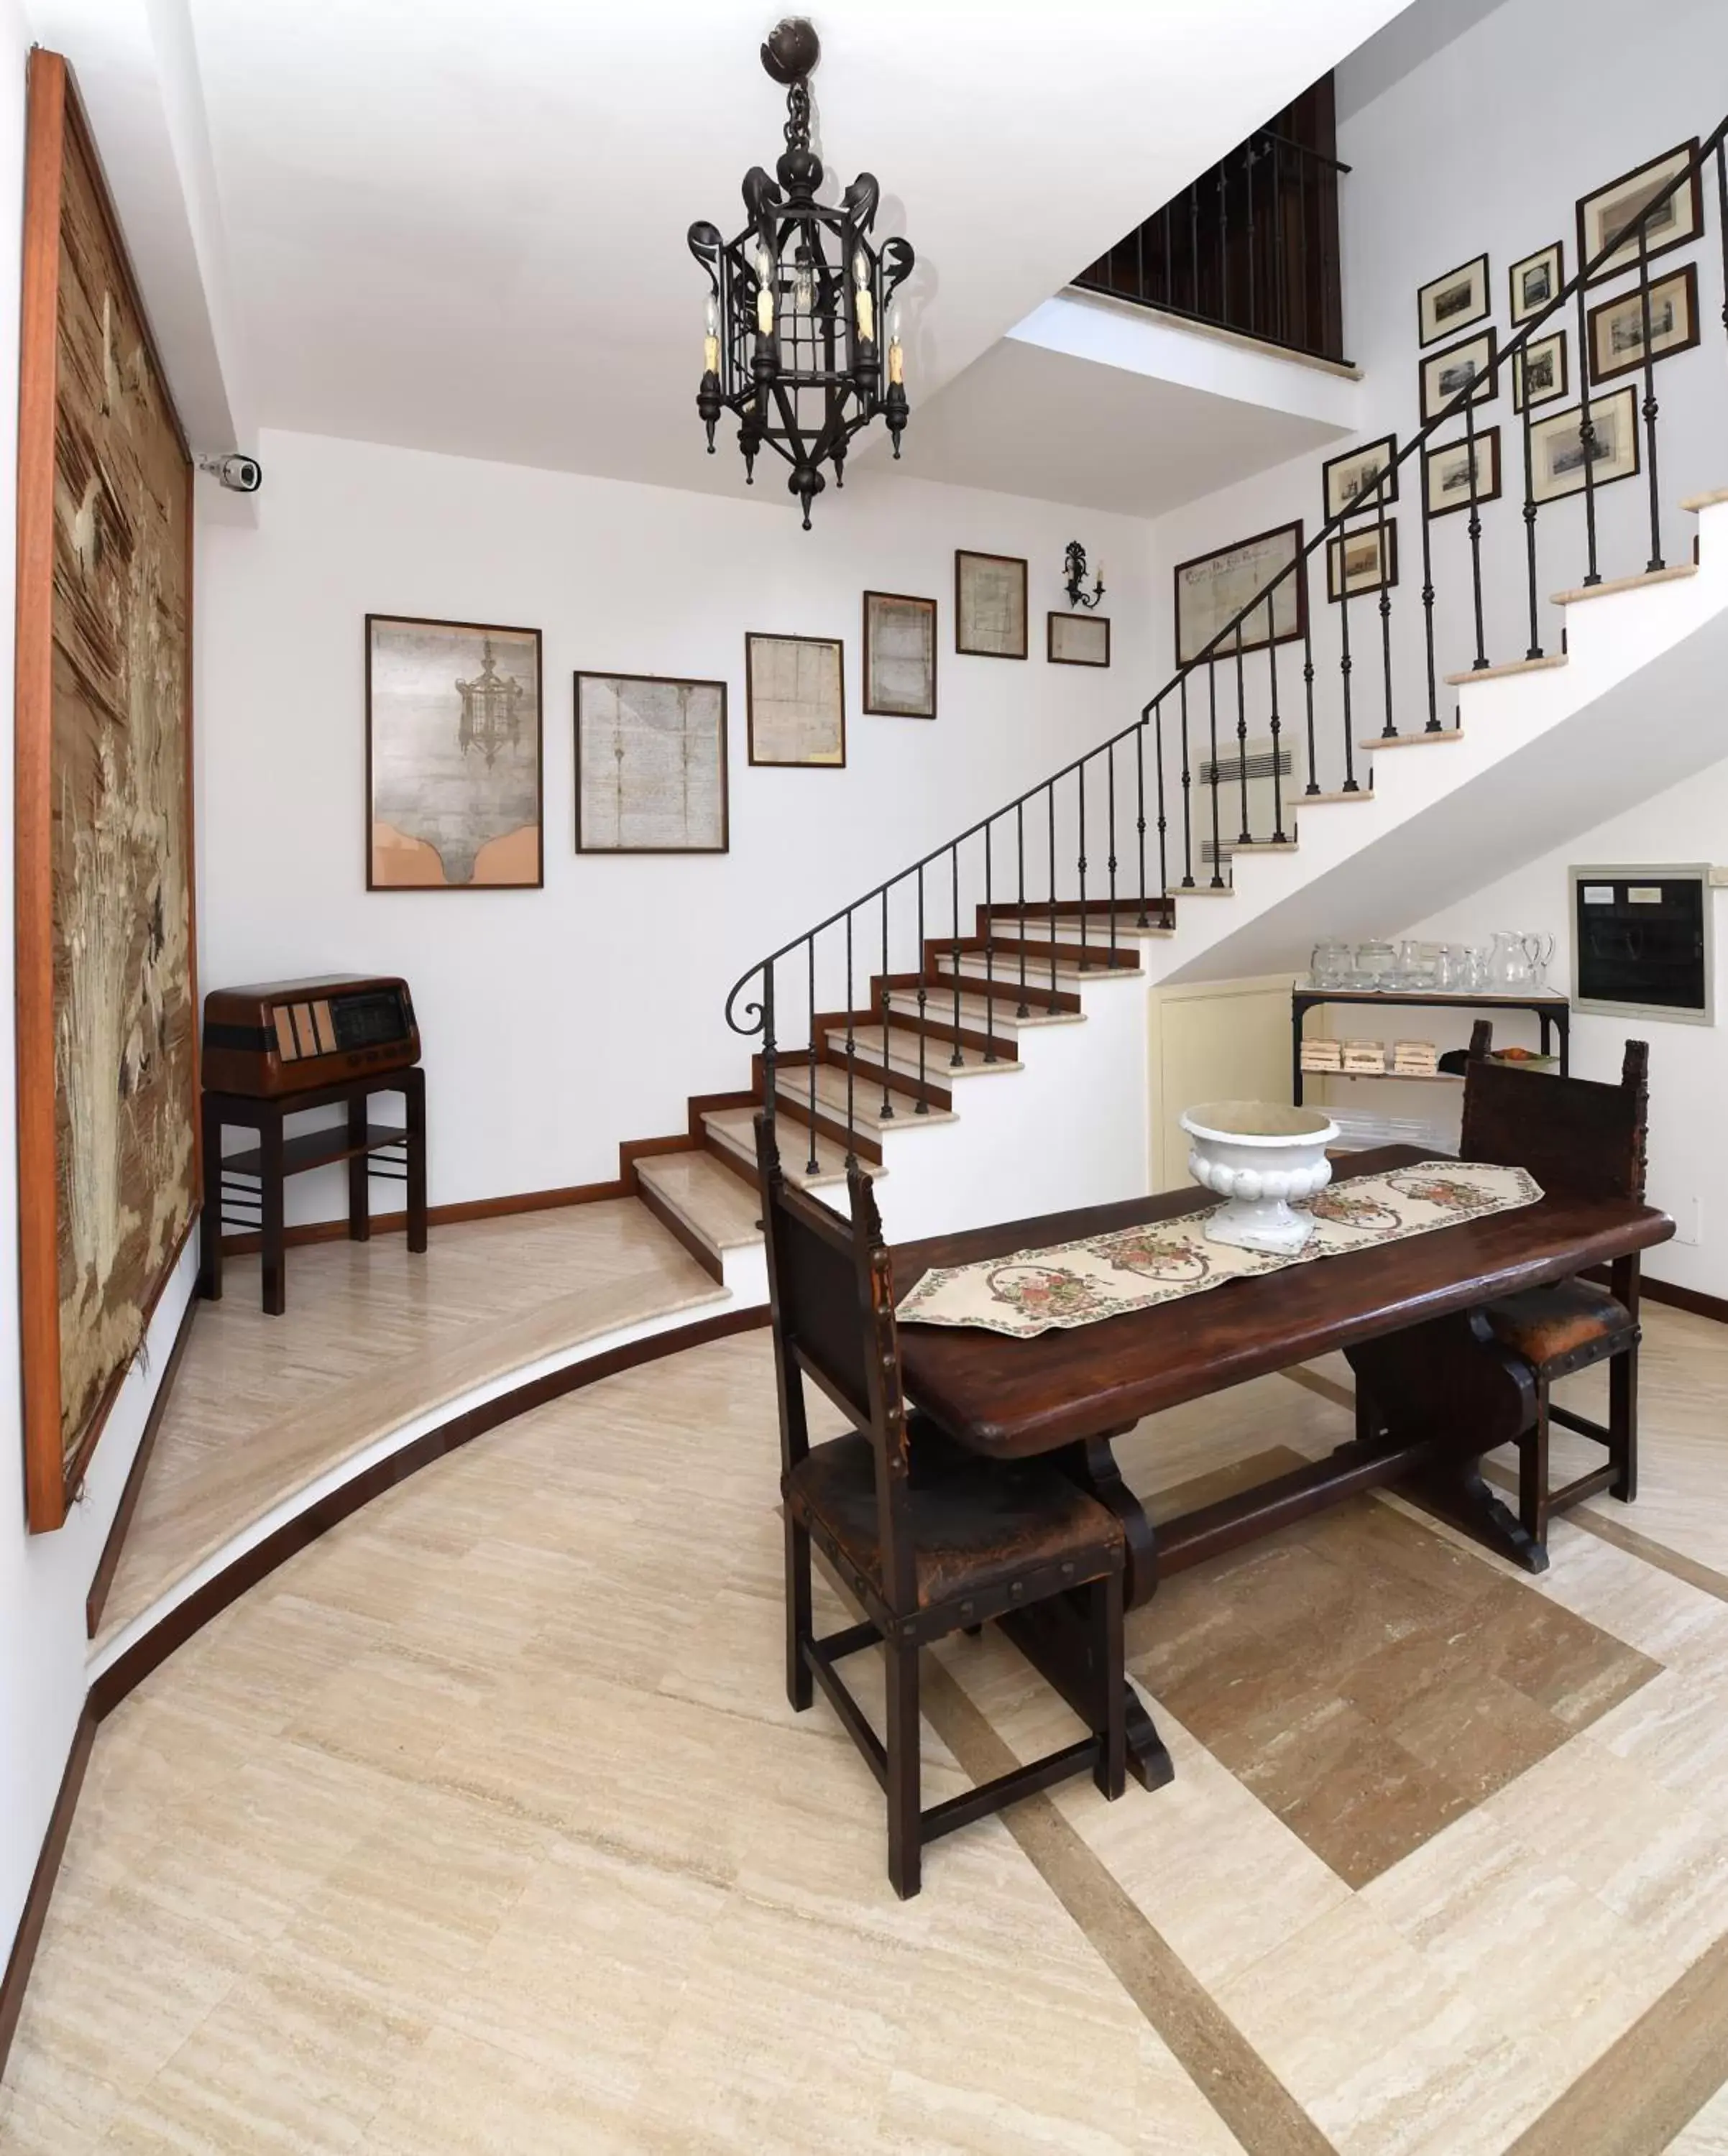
(1606, 211)
(1532, 283)
(1557, 447)
(989, 604)
(1615, 327)
(1451, 302)
(444, 697)
(1543, 360)
(1446, 474)
(794, 700)
(1381, 542)
(899, 683)
(1346, 480)
(1211, 589)
(1076, 639)
(648, 731)
(109, 1168)
(1442, 376)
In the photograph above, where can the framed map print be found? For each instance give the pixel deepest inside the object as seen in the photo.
(1454, 302)
(1605, 216)
(1076, 639)
(1212, 589)
(990, 605)
(452, 756)
(1557, 447)
(650, 765)
(899, 655)
(794, 700)
(104, 954)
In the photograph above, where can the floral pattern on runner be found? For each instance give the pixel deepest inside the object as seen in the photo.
(1078, 1283)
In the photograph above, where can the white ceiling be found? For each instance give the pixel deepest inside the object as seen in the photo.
(462, 228)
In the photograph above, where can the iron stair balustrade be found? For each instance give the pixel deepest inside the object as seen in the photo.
(751, 1004)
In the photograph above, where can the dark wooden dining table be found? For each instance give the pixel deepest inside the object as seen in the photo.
(1408, 1315)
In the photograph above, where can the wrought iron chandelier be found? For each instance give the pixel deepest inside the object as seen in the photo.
(799, 302)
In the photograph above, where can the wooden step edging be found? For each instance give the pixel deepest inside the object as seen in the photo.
(1412, 741)
(1548, 660)
(1675, 573)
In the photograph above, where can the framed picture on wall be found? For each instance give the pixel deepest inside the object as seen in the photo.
(650, 765)
(1557, 447)
(794, 700)
(1076, 639)
(990, 605)
(1536, 281)
(1212, 589)
(1453, 302)
(1539, 372)
(1364, 561)
(1450, 373)
(899, 655)
(1616, 326)
(1348, 479)
(453, 769)
(1607, 215)
(1446, 471)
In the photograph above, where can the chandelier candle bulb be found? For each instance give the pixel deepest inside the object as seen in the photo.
(867, 306)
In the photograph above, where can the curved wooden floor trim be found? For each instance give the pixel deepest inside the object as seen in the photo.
(136, 1654)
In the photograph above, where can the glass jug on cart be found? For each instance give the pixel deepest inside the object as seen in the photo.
(1509, 970)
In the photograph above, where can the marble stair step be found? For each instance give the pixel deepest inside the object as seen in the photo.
(1003, 1024)
(903, 1052)
(732, 1131)
(708, 1198)
(1003, 967)
(1098, 928)
(792, 1089)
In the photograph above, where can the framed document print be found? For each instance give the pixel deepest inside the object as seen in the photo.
(899, 655)
(1446, 473)
(990, 605)
(1364, 561)
(650, 765)
(1450, 373)
(794, 700)
(1539, 372)
(1535, 281)
(1557, 447)
(1616, 326)
(452, 755)
(1348, 479)
(1612, 211)
(1212, 589)
(1077, 640)
(1454, 302)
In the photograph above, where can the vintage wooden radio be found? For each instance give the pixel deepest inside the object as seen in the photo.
(291, 1036)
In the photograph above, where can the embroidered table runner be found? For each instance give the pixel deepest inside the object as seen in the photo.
(1099, 1276)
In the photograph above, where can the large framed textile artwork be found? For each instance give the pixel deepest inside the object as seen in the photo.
(107, 991)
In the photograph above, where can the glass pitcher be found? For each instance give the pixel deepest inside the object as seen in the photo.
(1510, 972)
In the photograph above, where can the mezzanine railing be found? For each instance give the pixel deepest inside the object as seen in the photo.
(1025, 866)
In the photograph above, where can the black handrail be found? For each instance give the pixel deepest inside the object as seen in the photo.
(756, 1016)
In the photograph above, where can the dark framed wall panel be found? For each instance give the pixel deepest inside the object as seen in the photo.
(109, 1172)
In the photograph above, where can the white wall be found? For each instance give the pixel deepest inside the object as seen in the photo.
(1485, 146)
(557, 1023)
(44, 1578)
(1688, 1064)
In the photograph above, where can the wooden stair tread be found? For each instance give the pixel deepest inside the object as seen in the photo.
(1412, 741)
(707, 1196)
(1306, 801)
(1201, 888)
(1697, 501)
(734, 1130)
(1097, 927)
(792, 1089)
(1259, 846)
(1549, 660)
(1675, 571)
(1003, 966)
(1004, 1022)
(903, 1054)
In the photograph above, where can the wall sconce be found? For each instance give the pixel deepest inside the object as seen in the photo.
(1074, 566)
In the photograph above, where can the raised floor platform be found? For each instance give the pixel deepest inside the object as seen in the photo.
(268, 1414)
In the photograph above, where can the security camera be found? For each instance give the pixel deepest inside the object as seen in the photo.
(239, 475)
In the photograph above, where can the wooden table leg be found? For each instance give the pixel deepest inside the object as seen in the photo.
(270, 1146)
(415, 1097)
(359, 1167)
(1058, 1637)
(1451, 1383)
(210, 1218)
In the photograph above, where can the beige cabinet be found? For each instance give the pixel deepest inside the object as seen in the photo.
(1213, 1041)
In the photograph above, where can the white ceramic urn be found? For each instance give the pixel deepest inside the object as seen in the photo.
(1259, 1158)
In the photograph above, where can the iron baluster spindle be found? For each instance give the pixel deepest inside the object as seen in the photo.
(1722, 223)
(1022, 1008)
(1587, 438)
(887, 1103)
(1049, 794)
(1187, 802)
(1480, 661)
(1389, 728)
(924, 1104)
(1655, 561)
(1080, 773)
(1139, 753)
(989, 954)
(953, 853)
(1110, 835)
(1533, 649)
(1425, 522)
(851, 1151)
(812, 1164)
(1215, 774)
(1278, 731)
(768, 1057)
(1308, 680)
(1247, 837)
(1344, 668)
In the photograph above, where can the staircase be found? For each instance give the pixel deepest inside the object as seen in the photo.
(994, 1064)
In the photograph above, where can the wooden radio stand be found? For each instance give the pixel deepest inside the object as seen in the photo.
(252, 1181)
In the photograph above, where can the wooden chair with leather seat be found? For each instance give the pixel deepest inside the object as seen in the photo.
(1571, 1134)
(927, 1538)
